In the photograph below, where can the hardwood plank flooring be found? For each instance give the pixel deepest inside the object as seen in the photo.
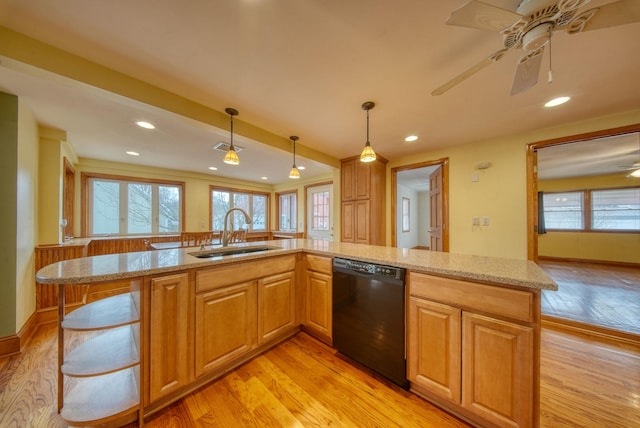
(303, 383)
(595, 294)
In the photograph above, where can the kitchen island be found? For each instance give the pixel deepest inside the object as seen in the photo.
(187, 320)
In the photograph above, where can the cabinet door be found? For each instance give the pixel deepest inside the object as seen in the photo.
(318, 308)
(361, 221)
(276, 305)
(363, 180)
(497, 370)
(434, 347)
(168, 331)
(225, 325)
(348, 180)
(348, 218)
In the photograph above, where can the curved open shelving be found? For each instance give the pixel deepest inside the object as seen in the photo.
(110, 312)
(90, 358)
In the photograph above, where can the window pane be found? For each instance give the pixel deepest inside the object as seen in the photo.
(320, 211)
(616, 209)
(169, 209)
(220, 205)
(139, 208)
(288, 212)
(106, 207)
(259, 214)
(564, 210)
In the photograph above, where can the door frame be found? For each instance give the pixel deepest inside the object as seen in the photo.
(444, 163)
(532, 176)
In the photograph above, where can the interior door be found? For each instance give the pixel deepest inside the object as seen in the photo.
(319, 210)
(435, 202)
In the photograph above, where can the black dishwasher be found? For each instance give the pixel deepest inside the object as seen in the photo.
(369, 316)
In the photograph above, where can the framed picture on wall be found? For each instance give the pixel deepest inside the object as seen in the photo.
(406, 216)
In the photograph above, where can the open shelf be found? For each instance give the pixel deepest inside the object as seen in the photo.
(98, 400)
(112, 350)
(110, 312)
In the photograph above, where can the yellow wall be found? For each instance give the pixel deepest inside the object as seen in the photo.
(599, 246)
(500, 192)
(27, 193)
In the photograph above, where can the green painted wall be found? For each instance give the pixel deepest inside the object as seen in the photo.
(9, 212)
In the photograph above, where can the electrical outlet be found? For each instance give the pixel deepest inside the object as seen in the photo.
(485, 221)
(475, 221)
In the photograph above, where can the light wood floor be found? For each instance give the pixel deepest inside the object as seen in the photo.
(301, 383)
(600, 295)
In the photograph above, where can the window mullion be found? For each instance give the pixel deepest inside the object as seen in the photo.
(588, 208)
(124, 207)
(155, 209)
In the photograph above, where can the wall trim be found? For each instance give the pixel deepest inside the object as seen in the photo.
(600, 262)
(607, 335)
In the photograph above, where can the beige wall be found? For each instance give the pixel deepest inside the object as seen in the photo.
(500, 192)
(599, 246)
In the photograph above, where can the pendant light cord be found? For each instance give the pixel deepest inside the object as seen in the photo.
(550, 79)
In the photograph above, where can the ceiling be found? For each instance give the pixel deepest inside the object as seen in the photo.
(304, 67)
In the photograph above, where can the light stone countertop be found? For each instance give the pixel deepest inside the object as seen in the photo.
(112, 267)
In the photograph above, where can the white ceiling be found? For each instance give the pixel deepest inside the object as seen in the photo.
(304, 67)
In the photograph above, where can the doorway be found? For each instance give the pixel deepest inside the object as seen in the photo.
(419, 195)
(319, 211)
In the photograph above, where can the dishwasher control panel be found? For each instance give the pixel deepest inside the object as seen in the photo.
(369, 268)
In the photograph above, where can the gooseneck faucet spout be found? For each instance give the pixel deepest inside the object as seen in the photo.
(226, 234)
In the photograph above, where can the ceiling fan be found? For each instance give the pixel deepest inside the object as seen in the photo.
(529, 26)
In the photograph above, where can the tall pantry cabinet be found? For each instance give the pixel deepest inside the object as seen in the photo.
(363, 201)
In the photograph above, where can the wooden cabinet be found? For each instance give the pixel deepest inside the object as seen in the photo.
(169, 340)
(225, 326)
(99, 362)
(363, 201)
(276, 305)
(472, 349)
(318, 295)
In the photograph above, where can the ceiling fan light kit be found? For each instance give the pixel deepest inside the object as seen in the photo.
(530, 27)
(367, 155)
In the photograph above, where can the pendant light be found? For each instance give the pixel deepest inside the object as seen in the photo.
(368, 155)
(294, 173)
(231, 157)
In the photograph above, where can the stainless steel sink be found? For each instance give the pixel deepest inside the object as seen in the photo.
(230, 251)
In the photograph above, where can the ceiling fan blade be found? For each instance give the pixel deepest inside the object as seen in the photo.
(610, 15)
(482, 16)
(527, 71)
(468, 73)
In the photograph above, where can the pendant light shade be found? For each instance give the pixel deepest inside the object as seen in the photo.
(294, 173)
(231, 157)
(367, 155)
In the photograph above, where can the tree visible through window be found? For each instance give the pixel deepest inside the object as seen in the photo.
(130, 207)
(255, 204)
(320, 211)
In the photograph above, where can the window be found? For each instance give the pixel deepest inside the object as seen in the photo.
(287, 211)
(593, 210)
(564, 211)
(320, 219)
(406, 216)
(253, 203)
(132, 206)
(617, 209)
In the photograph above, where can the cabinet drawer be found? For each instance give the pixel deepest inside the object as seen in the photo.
(495, 300)
(210, 279)
(319, 264)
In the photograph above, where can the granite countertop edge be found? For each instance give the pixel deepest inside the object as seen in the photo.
(113, 267)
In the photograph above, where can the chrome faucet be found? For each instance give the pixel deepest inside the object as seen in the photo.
(226, 234)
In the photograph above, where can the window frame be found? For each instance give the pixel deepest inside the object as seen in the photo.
(233, 191)
(87, 177)
(294, 215)
(587, 211)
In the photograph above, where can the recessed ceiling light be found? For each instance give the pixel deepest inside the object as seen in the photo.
(301, 168)
(145, 125)
(213, 168)
(557, 101)
(264, 178)
(411, 138)
(133, 153)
